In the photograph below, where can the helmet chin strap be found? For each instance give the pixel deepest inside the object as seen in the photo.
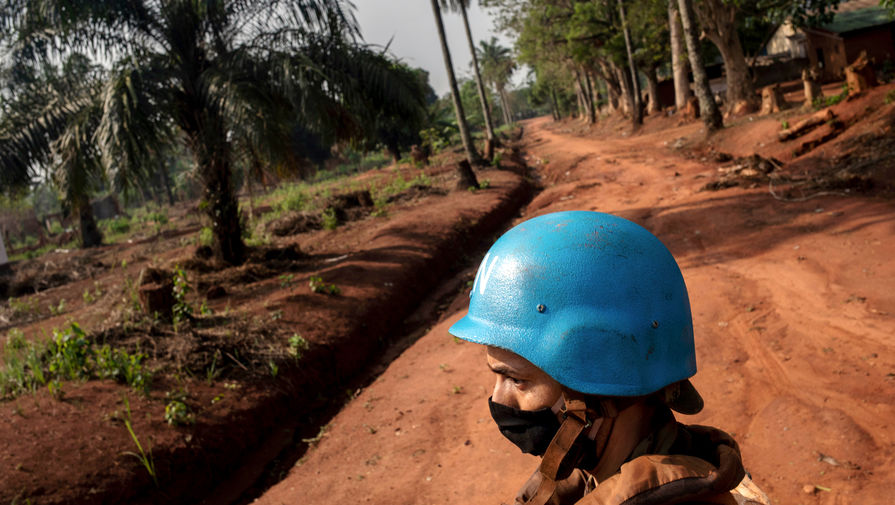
(564, 452)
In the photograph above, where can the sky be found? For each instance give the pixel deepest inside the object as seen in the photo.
(411, 26)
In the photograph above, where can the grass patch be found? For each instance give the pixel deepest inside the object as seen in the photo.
(36, 253)
(68, 355)
(822, 102)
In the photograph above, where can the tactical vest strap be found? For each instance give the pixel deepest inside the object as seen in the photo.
(559, 459)
(563, 453)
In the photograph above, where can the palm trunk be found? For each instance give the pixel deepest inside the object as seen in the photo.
(637, 117)
(507, 113)
(708, 109)
(90, 234)
(489, 124)
(211, 150)
(679, 66)
(166, 181)
(471, 155)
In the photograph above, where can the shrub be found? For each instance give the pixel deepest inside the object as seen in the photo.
(68, 355)
(206, 236)
(330, 220)
(297, 346)
(318, 286)
(182, 309)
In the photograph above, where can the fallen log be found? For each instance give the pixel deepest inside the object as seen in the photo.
(836, 127)
(806, 125)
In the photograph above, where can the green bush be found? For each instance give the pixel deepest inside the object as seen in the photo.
(295, 199)
(890, 96)
(120, 225)
(182, 309)
(206, 236)
(330, 220)
(318, 286)
(68, 355)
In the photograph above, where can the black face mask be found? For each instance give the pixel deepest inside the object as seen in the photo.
(530, 430)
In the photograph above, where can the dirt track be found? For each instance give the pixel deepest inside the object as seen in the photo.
(794, 310)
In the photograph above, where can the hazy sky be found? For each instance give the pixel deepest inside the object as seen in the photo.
(411, 24)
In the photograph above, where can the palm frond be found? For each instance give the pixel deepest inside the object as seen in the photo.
(134, 129)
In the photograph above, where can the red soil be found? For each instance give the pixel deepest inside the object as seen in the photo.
(75, 450)
(792, 301)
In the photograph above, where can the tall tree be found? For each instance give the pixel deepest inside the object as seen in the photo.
(498, 66)
(220, 74)
(467, 176)
(637, 112)
(722, 22)
(679, 66)
(49, 117)
(708, 109)
(490, 138)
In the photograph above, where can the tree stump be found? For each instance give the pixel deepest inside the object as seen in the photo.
(467, 176)
(772, 100)
(860, 75)
(812, 88)
(155, 288)
(741, 108)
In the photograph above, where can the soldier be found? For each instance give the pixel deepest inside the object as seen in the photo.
(588, 330)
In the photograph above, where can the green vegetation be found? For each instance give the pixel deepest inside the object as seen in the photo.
(821, 102)
(318, 286)
(279, 92)
(890, 97)
(330, 221)
(297, 346)
(24, 306)
(177, 412)
(182, 310)
(145, 457)
(67, 356)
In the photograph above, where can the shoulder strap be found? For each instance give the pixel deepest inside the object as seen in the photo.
(562, 454)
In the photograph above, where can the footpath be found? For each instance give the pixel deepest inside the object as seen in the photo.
(793, 310)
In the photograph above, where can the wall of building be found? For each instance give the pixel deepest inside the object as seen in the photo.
(787, 40)
(827, 51)
(877, 41)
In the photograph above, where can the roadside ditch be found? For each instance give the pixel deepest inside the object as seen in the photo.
(421, 294)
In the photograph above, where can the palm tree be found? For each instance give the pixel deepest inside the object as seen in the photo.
(491, 141)
(472, 157)
(497, 67)
(48, 120)
(223, 75)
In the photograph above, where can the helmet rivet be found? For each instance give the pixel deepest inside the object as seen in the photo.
(541, 307)
(655, 324)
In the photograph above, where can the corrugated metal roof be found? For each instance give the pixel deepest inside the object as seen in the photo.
(858, 14)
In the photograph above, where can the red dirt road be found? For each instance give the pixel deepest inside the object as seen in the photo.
(794, 309)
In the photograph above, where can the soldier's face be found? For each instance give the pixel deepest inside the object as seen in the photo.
(519, 384)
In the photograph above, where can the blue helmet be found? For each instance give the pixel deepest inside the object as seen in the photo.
(594, 300)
